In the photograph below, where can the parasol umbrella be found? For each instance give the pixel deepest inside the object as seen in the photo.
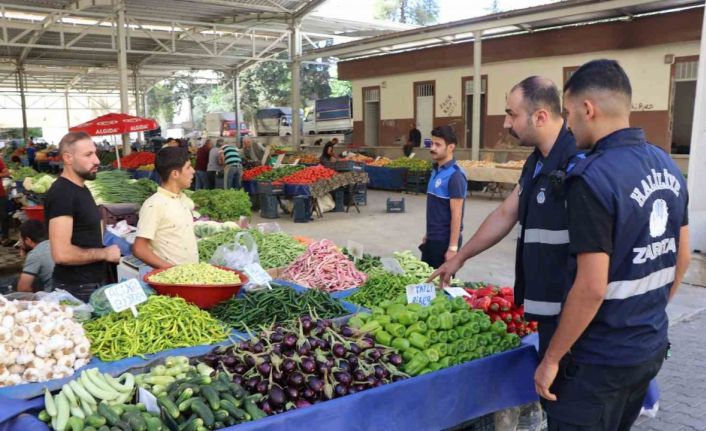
(115, 124)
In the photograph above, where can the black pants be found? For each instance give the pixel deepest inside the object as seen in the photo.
(4, 218)
(434, 251)
(599, 397)
(80, 291)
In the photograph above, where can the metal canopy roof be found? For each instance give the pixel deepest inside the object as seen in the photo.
(539, 18)
(72, 44)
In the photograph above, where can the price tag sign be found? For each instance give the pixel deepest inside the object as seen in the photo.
(150, 401)
(257, 274)
(421, 294)
(278, 162)
(455, 292)
(296, 162)
(391, 265)
(126, 295)
(355, 249)
(377, 158)
(411, 156)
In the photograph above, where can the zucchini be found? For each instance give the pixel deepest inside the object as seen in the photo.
(211, 396)
(110, 416)
(49, 403)
(63, 409)
(168, 406)
(44, 416)
(75, 423)
(96, 421)
(201, 409)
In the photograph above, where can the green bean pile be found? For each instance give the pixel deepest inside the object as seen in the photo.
(163, 323)
(277, 249)
(196, 274)
(280, 304)
(381, 287)
(207, 246)
(117, 187)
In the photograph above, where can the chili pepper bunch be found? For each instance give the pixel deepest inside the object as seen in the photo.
(499, 304)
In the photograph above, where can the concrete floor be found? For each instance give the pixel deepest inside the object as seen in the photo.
(382, 234)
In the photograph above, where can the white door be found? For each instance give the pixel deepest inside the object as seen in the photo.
(425, 110)
(371, 121)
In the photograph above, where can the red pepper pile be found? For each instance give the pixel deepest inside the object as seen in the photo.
(499, 304)
(309, 175)
(250, 174)
(135, 160)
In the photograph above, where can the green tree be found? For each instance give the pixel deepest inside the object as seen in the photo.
(340, 88)
(421, 12)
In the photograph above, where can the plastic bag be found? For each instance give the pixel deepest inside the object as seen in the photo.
(100, 303)
(235, 255)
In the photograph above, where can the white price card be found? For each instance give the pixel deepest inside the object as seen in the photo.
(126, 295)
(391, 265)
(278, 162)
(411, 156)
(455, 292)
(355, 249)
(421, 294)
(150, 401)
(257, 275)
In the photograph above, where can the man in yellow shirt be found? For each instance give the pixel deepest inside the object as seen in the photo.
(165, 231)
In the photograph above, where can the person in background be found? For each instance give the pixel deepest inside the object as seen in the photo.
(214, 167)
(31, 154)
(327, 154)
(202, 165)
(4, 214)
(253, 151)
(628, 228)
(39, 265)
(233, 163)
(165, 230)
(414, 140)
(446, 196)
(75, 222)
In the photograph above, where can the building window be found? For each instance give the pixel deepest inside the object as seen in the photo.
(682, 95)
(568, 71)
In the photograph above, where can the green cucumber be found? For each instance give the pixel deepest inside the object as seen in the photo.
(75, 423)
(95, 421)
(211, 396)
(154, 424)
(253, 410)
(168, 406)
(185, 395)
(111, 417)
(201, 409)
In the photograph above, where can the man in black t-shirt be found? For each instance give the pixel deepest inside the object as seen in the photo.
(75, 223)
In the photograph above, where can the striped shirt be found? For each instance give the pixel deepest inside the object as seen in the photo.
(231, 156)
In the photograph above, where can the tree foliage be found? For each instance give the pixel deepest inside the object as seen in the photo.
(421, 12)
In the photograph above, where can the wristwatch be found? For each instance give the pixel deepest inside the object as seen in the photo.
(453, 248)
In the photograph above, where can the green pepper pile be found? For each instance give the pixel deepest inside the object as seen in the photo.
(381, 287)
(412, 266)
(368, 264)
(412, 165)
(279, 172)
(430, 338)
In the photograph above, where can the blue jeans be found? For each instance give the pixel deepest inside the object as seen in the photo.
(232, 177)
(202, 180)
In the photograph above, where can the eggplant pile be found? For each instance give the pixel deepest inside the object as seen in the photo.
(306, 362)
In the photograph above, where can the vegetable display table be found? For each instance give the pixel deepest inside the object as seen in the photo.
(386, 178)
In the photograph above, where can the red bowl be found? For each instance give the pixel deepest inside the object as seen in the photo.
(201, 295)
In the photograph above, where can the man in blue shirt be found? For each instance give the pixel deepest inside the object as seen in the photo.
(446, 195)
(628, 228)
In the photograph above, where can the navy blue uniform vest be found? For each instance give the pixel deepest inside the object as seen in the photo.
(542, 264)
(645, 193)
(438, 206)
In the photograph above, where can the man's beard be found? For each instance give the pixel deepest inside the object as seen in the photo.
(87, 175)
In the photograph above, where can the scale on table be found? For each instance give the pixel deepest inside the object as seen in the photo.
(132, 267)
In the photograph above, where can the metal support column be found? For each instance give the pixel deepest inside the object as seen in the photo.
(697, 157)
(236, 104)
(23, 103)
(122, 69)
(296, 56)
(136, 89)
(477, 88)
(68, 112)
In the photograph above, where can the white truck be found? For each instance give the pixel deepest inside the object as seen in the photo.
(276, 121)
(333, 115)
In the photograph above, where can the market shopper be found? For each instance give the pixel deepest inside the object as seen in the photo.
(202, 165)
(628, 226)
(233, 164)
(165, 230)
(253, 152)
(215, 165)
(4, 213)
(39, 266)
(327, 154)
(75, 222)
(446, 196)
(543, 267)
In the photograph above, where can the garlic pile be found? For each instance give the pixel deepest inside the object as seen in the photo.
(39, 341)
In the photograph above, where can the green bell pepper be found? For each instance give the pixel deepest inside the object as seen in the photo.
(459, 303)
(377, 311)
(371, 326)
(419, 326)
(453, 349)
(446, 320)
(385, 303)
(474, 327)
(417, 364)
(433, 322)
(355, 322)
(443, 336)
(418, 340)
(432, 354)
(383, 337)
(363, 316)
(499, 327)
(484, 323)
(401, 344)
(383, 320)
(425, 371)
(445, 361)
(414, 308)
(442, 348)
(423, 313)
(460, 346)
(452, 335)
(405, 317)
(395, 329)
(471, 344)
(393, 309)
(436, 366)
(410, 353)
(433, 335)
(464, 316)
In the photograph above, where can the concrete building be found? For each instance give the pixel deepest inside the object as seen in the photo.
(434, 86)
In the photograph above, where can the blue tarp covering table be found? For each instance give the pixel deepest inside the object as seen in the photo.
(384, 178)
(430, 402)
(297, 190)
(110, 238)
(250, 187)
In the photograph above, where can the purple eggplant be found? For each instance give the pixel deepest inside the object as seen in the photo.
(323, 344)
(306, 323)
(277, 376)
(276, 396)
(264, 369)
(371, 380)
(347, 331)
(251, 383)
(276, 337)
(343, 365)
(381, 372)
(238, 379)
(290, 341)
(250, 360)
(353, 360)
(316, 384)
(355, 349)
(295, 379)
(339, 350)
(373, 354)
(211, 359)
(266, 407)
(240, 369)
(263, 386)
(288, 365)
(343, 378)
(309, 394)
(302, 403)
(352, 390)
(340, 390)
(258, 347)
(308, 365)
(359, 388)
(359, 375)
(244, 345)
(395, 359)
(304, 349)
(292, 393)
(229, 361)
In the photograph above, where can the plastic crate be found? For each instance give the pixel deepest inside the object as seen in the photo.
(268, 206)
(114, 213)
(395, 206)
(302, 209)
(339, 198)
(361, 198)
(416, 188)
(418, 177)
(35, 213)
(267, 188)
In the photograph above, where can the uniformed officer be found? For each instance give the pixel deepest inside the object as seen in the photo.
(446, 196)
(542, 267)
(627, 204)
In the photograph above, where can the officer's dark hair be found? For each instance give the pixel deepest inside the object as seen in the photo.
(34, 230)
(170, 159)
(539, 92)
(447, 133)
(599, 75)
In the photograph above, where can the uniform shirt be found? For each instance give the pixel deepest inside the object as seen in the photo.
(629, 200)
(231, 156)
(202, 158)
(166, 220)
(213, 156)
(65, 198)
(447, 182)
(40, 265)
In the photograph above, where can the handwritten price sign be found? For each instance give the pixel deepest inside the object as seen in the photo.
(421, 294)
(126, 295)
